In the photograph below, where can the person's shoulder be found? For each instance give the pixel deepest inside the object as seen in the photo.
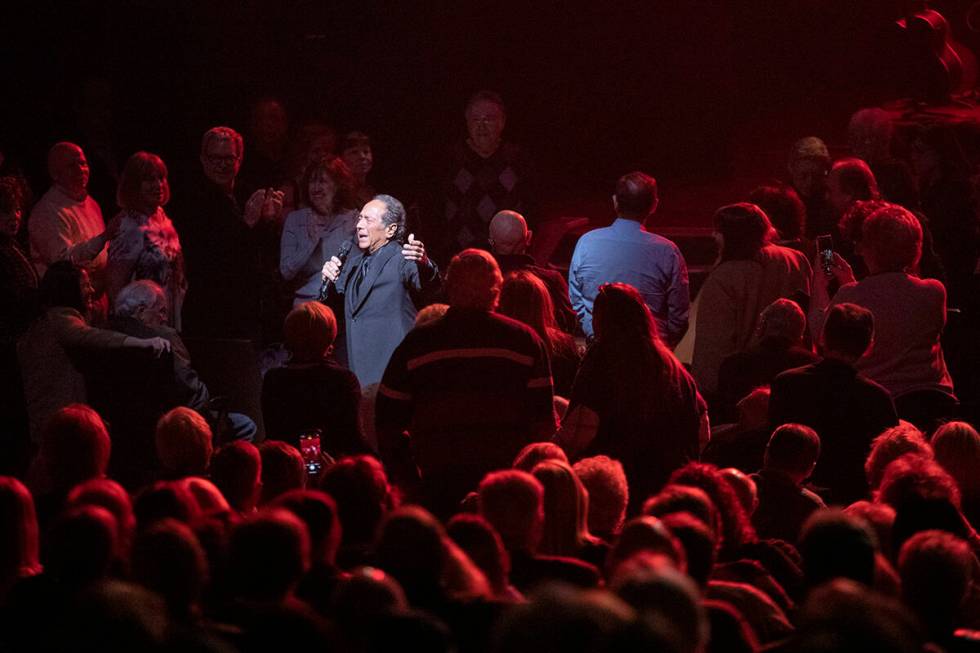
(45, 207)
(296, 217)
(785, 255)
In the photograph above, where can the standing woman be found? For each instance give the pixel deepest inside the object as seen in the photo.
(316, 232)
(147, 246)
(632, 399)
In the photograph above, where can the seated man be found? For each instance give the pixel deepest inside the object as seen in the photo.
(846, 408)
(784, 504)
(780, 347)
(134, 390)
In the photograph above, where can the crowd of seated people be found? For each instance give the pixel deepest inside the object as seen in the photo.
(533, 467)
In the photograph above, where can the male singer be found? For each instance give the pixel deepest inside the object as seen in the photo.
(377, 282)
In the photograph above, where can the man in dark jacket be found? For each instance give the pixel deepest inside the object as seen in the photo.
(844, 407)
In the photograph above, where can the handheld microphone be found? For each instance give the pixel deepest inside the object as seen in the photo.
(342, 254)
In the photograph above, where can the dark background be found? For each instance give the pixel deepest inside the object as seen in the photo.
(684, 89)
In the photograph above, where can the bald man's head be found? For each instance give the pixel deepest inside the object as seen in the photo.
(509, 233)
(69, 168)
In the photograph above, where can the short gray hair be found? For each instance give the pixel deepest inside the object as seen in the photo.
(394, 214)
(139, 295)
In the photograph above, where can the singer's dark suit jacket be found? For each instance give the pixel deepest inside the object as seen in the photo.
(382, 310)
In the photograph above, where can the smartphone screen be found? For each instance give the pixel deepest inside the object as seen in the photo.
(309, 447)
(825, 248)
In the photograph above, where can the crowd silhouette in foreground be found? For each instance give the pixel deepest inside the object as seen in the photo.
(466, 449)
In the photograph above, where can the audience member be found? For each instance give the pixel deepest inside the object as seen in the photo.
(18, 296)
(133, 391)
(744, 487)
(112, 496)
(147, 246)
(678, 498)
(20, 543)
(605, 481)
(566, 512)
(525, 298)
(513, 502)
(319, 512)
(751, 274)
(74, 447)
(264, 160)
(743, 444)
(780, 346)
(168, 559)
(236, 468)
(808, 166)
(626, 253)
(18, 280)
(360, 487)
(314, 233)
(658, 590)
(165, 500)
(936, 569)
(268, 554)
(538, 452)
(834, 545)
(632, 400)
(891, 444)
(223, 236)
(51, 378)
(312, 392)
(356, 152)
(283, 469)
(478, 539)
(483, 175)
(784, 502)
(183, 443)
(471, 388)
(509, 242)
(909, 315)
(844, 407)
(957, 450)
(785, 210)
(846, 616)
(66, 223)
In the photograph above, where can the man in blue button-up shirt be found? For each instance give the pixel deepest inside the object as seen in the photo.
(625, 252)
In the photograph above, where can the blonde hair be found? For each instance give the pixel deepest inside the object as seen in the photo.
(957, 448)
(183, 441)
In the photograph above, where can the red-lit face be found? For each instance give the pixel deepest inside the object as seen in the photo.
(153, 192)
(71, 171)
(485, 122)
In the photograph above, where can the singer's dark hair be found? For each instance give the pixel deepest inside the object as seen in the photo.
(394, 214)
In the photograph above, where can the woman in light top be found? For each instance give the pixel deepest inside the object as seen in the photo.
(147, 246)
(313, 234)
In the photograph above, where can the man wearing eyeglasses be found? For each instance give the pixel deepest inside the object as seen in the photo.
(222, 234)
